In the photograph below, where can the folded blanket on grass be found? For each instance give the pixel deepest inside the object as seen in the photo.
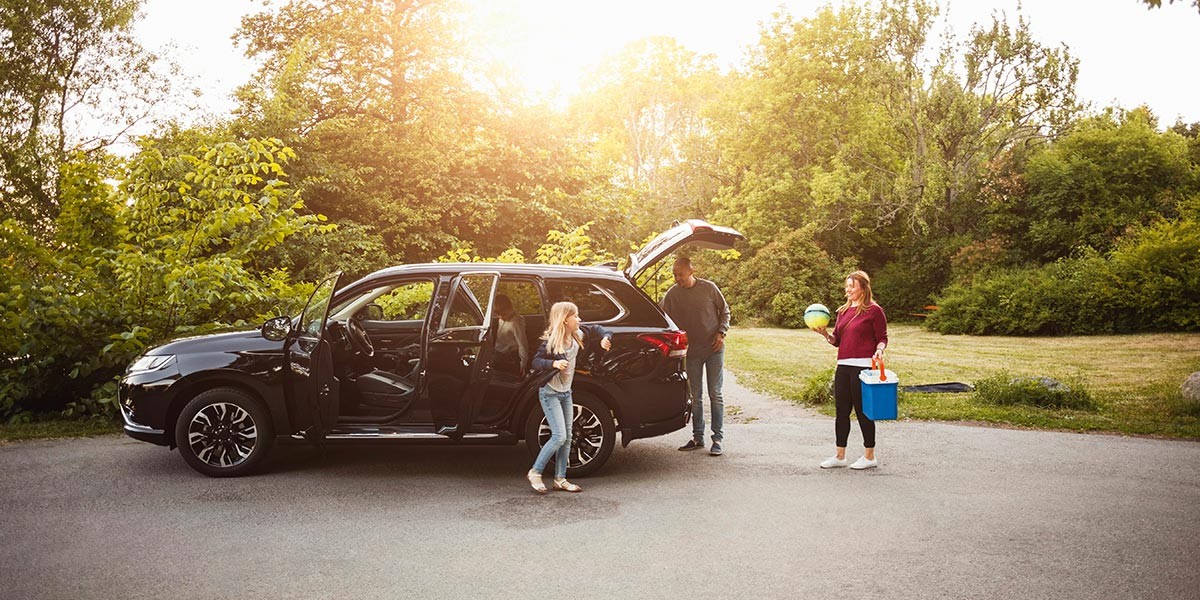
(939, 388)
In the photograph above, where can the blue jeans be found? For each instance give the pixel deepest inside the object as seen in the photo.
(711, 365)
(560, 411)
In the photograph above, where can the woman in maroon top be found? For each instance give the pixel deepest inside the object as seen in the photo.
(860, 334)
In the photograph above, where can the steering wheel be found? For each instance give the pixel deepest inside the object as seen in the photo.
(358, 338)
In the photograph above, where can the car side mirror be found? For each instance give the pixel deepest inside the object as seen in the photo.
(277, 329)
(372, 312)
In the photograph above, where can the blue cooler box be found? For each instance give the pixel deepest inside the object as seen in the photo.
(879, 397)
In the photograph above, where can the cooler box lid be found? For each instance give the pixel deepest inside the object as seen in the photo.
(871, 377)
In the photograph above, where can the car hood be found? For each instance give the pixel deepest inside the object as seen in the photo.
(238, 340)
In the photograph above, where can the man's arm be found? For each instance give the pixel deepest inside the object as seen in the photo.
(722, 308)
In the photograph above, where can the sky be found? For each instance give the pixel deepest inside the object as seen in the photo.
(1128, 55)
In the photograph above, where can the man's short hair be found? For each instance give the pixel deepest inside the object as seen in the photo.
(685, 261)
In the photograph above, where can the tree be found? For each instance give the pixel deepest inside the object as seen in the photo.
(67, 70)
(173, 248)
(398, 132)
(1158, 3)
(644, 108)
(1112, 171)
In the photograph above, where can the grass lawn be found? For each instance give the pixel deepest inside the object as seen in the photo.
(57, 428)
(1134, 379)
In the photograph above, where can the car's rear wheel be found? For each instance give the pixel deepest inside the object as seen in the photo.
(224, 432)
(593, 435)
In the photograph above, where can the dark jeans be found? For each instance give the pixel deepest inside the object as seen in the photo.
(847, 394)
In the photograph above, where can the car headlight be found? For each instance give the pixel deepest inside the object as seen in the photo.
(146, 364)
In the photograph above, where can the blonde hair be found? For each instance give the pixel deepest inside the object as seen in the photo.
(864, 282)
(558, 339)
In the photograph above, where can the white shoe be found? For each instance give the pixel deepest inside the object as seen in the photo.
(863, 463)
(833, 462)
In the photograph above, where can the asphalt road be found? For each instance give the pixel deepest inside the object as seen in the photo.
(953, 512)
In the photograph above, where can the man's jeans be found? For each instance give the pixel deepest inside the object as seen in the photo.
(713, 365)
(560, 411)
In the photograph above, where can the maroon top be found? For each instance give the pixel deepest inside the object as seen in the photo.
(857, 335)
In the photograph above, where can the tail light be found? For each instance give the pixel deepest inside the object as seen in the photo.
(670, 343)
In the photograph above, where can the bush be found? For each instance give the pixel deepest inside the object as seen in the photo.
(1007, 302)
(909, 283)
(1147, 283)
(783, 278)
(818, 388)
(171, 250)
(1004, 389)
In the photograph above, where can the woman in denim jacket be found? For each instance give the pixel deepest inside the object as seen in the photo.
(563, 342)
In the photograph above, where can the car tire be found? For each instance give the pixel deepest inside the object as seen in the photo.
(224, 432)
(593, 423)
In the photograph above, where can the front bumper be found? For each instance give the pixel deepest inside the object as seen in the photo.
(143, 399)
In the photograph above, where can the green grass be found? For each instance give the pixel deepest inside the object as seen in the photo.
(1133, 379)
(57, 428)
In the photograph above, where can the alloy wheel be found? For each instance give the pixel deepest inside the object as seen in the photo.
(222, 434)
(587, 436)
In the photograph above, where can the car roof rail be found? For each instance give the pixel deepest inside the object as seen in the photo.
(611, 264)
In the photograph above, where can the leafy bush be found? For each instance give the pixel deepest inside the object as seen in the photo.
(783, 278)
(818, 388)
(909, 283)
(1005, 389)
(1147, 283)
(170, 250)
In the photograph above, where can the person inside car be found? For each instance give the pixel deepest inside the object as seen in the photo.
(564, 341)
(512, 347)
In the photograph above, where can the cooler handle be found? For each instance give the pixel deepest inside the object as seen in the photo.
(879, 361)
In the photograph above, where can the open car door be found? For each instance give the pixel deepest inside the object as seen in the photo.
(459, 353)
(692, 231)
(312, 391)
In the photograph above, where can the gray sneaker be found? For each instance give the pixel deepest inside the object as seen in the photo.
(692, 445)
(716, 449)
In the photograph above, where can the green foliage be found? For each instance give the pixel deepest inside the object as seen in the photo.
(63, 63)
(1147, 283)
(784, 277)
(1083, 191)
(1004, 389)
(1158, 3)
(407, 302)
(573, 247)
(383, 102)
(817, 389)
(167, 251)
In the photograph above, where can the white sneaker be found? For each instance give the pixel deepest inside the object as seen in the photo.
(863, 463)
(833, 462)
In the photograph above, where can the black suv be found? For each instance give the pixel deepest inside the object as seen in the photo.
(408, 354)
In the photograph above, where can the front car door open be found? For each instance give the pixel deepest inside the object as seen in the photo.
(458, 352)
(312, 389)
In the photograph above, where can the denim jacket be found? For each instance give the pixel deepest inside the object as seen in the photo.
(543, 361)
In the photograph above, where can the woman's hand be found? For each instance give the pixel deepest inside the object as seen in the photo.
(823, 332)
(606, 343)
(561, 364)
(878, 353)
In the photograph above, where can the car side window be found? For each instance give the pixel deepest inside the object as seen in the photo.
(523, 295)
(594, 305)
(408, 301)
(470, 302)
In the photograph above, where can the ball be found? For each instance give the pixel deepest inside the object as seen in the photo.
(816, 316)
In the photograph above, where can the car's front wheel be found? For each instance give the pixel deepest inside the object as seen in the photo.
(224, 432)
(593, 435)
